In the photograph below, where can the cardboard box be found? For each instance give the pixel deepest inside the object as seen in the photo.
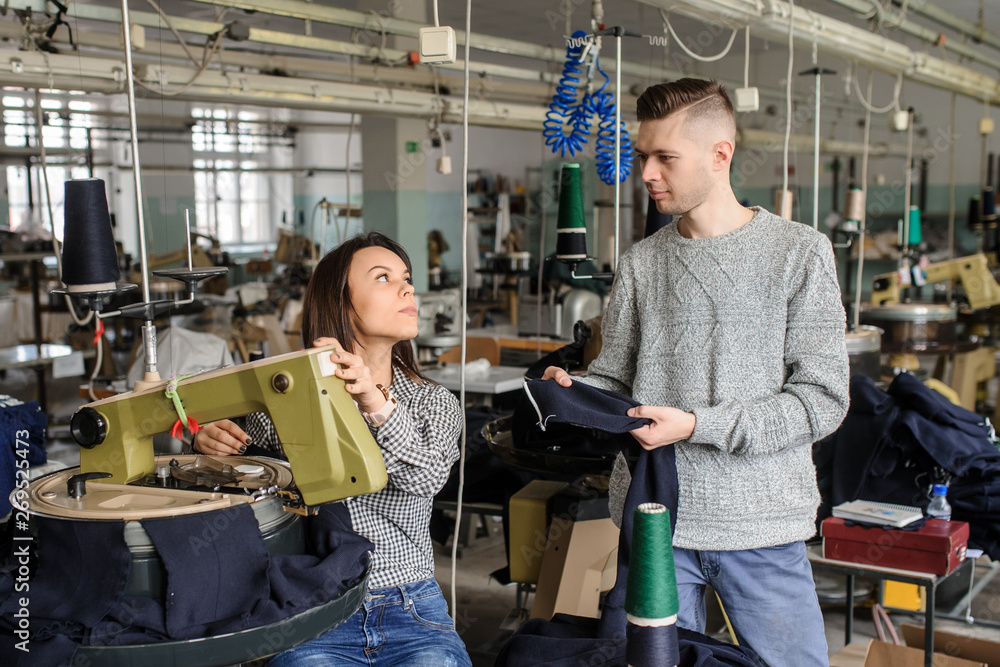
(882, 654)
(960, 646)
(938, 547)
(580, 561)
(528, 528)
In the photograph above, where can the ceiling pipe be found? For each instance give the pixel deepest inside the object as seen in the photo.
(385, 74)
(899, 22)
(751, 11)
(971, 30)
(769, 19)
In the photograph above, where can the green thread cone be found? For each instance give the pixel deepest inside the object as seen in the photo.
(651, 590)
(571, 236)
(571, 198)
(915, 236)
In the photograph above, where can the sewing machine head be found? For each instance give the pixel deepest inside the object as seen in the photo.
(330, 450)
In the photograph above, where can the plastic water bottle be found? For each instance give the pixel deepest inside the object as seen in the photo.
(939, 507)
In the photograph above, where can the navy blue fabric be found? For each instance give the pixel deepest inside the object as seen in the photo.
(80, 576)
(654, 480)
(893, 445)
(218, 581)
(568, 641)
(598, 432)
(28, 420)
(216, 566)
(580, 405)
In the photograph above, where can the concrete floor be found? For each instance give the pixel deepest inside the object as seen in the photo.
(483, 604)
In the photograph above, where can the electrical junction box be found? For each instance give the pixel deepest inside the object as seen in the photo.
(985, 126)
(900, 120)
(437, 45)
(747, 99)
(444, 165)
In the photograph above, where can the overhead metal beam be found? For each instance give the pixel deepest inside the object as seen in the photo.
(38, 70)
(899, 22)
(772, 142)
(769, 19)
(930, 10)
(278, 38)
(155, 51)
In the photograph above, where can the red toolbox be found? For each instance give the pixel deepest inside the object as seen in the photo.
(937, 547)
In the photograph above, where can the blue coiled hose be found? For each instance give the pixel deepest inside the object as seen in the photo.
(602, 105)
(566, 108)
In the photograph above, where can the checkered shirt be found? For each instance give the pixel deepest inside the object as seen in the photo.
(419, 444)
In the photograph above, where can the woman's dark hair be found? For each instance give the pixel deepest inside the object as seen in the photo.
(327, 305)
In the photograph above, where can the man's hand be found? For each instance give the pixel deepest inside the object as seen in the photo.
(559, 375)
(669, 425)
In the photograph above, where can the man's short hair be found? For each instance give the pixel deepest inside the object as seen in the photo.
(702, 99)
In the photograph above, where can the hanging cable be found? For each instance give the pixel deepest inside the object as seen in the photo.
(312, 231)
(212, 45)
(437, 21)
(866, 103)
(864, 198)
(951, 184)
(173, 30)
(704, 59)
(746, 60)
(347, 212)
(566, 108)
(788, 96)
(465, 309)
(602, 105)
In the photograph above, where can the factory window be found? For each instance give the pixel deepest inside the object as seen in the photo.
(20, 205)
(223, 131)
(232, 195)
(231, 201)
(66, 123)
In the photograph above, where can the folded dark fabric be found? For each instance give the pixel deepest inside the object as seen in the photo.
(654, 480)
(216, 566)
(569, 641)
(82, 566)
(893, 445)
(219, 577)
(579, 420)
(580, 405)
(22, 429)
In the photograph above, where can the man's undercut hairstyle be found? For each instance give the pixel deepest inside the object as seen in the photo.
(702, 100)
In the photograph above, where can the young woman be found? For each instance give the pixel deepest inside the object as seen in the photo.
(360, 299)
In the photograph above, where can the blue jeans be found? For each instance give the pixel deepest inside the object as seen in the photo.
(768, 594)
(401, 625)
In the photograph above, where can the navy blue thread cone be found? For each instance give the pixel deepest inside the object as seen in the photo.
(89, 258)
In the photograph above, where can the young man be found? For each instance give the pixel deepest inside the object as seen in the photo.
(729, 327)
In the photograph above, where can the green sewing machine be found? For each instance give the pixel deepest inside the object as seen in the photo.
(330, 450)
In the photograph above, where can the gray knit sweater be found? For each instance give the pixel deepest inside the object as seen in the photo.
(746, 331)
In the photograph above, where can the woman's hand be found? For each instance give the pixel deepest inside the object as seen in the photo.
(356, 375)
(221, 438)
